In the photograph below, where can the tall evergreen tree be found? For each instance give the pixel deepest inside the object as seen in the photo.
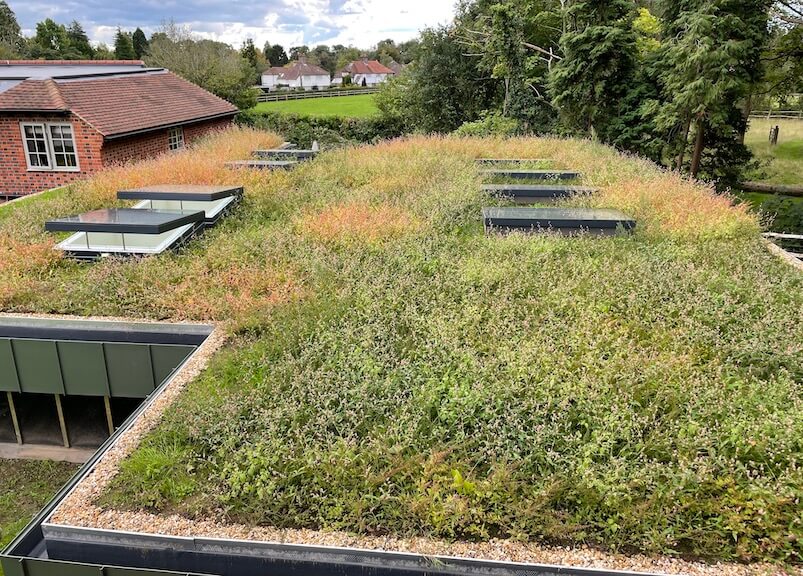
(711, 63)
(123, 46)
(599, 53)
(275, 54)
(79, 41)
(249, 52)
(10, 34)
(140, 43)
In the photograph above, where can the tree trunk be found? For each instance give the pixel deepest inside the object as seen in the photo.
(746, 109)
(699, 143)
(684, 141)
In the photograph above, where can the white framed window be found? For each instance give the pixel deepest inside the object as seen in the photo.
(49, 146)
(175, 138)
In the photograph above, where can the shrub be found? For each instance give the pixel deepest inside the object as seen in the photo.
(302, 130)
(491, 124)
(786, 214)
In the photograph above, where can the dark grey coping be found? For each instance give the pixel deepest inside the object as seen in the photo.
(102, 330)
(532, 174)
(536, 190)
(182, 554)
(285, 153)
(262, 164)
(555, 218)
(125, 221)
(201, 193)
(510, 160)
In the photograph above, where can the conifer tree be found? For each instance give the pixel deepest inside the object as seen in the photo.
(123, 46)
(598, 63)
(79, 41)
(139, 42)
(710, 63)
(10, 34)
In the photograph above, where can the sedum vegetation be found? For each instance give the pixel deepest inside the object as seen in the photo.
(393, 370)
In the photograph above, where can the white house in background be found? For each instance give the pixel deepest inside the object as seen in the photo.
(297, 74)
(364, 73)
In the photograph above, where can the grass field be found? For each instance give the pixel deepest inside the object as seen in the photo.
(394, 370)
(25, 487)
(360, 106)
(781, 164)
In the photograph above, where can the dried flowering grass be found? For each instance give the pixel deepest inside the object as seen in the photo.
(201, 163)
(357, 222)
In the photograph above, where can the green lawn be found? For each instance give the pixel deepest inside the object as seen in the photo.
(781, 164)
(392, 369)
(26, 486)
(361, 106)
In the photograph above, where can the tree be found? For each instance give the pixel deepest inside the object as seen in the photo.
(324, 57)
(345, 55)
(79, 41)
(297, 52)
(103, 52)
(275, 54)
(598, 63)
(441, 90)
(215, 66)
(51, 39)
(249, 54)
(10, 34)
(123, 46)
(711, 62)
(139, 43)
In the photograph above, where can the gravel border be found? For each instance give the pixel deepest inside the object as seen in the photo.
(784, 255)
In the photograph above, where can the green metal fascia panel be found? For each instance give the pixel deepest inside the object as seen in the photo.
(8, 370)
(12, 566)
(166, 358)
(83, 368)
(38, 366)
(129, 369)
(41, 567)
(44, 567)
(114, 571)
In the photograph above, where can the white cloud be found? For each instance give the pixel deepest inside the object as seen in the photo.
(360, 23)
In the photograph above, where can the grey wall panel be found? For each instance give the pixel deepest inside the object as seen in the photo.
(83, 368)
(129, 368)
(166, 359)
(38, 366)
(8, 371)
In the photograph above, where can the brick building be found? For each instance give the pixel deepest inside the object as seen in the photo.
(61, 121)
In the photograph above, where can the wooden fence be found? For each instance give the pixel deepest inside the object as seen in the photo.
(277, 97)
(780, 114)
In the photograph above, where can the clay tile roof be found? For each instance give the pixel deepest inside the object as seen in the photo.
(120, 105)
(366, 67)
(295, 69)
(33, 95)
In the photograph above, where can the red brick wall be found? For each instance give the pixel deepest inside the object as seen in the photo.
(93, 153)
(16, 179)
(152, 144)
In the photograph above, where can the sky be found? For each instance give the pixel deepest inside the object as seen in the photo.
(360, 23)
